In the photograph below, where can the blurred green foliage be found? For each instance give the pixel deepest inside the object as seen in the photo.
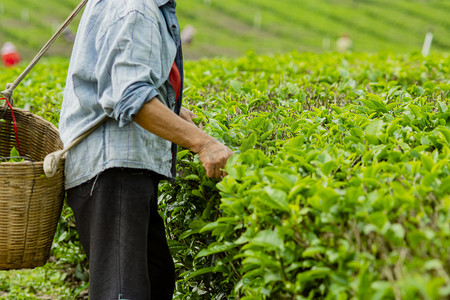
(232, 27)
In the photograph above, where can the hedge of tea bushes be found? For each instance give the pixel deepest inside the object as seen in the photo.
(339, 186)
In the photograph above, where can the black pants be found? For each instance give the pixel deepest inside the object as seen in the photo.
(123, 236)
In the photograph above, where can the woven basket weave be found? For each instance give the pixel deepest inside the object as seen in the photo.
(30, 203)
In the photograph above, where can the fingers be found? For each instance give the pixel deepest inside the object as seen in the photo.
(188, 115)
(219, 170)
(214, 170)
(214, 157)
(192, 115)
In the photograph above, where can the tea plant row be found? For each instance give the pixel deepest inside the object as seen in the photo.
(373, 26)
(232, 27)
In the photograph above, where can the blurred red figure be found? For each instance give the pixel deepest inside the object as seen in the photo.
(10, 56)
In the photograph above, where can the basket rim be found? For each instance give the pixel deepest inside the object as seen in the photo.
(26, 163)
(26, 113)
(21, 163)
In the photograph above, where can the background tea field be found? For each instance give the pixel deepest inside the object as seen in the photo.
(339, 188)
(232, 27)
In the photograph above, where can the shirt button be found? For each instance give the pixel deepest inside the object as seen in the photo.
(174, 26)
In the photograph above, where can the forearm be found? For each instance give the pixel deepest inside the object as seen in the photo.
(160, 120)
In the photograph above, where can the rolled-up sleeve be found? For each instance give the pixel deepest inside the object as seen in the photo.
(129, 68)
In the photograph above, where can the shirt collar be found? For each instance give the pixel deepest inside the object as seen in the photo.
(161, 2)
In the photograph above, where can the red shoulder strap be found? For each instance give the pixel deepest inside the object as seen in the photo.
(175, 80)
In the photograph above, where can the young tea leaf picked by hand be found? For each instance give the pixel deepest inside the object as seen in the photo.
(14, 156)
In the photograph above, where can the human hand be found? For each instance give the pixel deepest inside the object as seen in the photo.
(214, 156)
(188, 115)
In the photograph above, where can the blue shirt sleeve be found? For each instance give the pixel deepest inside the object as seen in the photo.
(129, 66)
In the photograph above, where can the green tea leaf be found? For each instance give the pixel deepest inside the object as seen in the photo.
(374, 127)
(268, 238)
(216, 248)
(249, 142)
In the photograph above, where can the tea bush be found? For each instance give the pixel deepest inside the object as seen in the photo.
(338, 189)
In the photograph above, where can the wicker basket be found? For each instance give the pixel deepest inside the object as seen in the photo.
(30, 203)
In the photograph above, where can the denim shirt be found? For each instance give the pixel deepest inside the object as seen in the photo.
(121, 59)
